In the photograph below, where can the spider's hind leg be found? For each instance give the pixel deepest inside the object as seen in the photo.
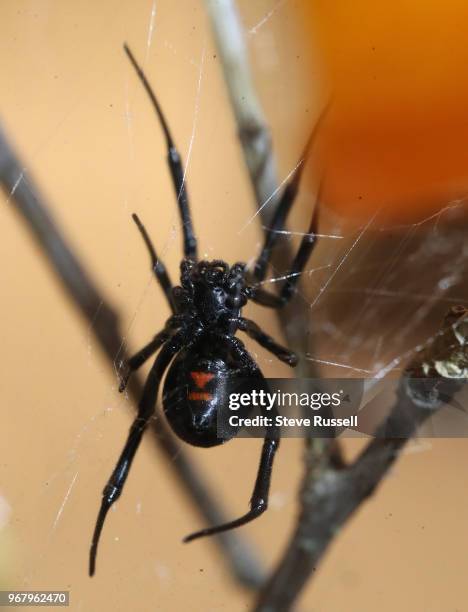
(116, 482)
(259, 499)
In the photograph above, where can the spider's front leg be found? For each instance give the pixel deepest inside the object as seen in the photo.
(276, 230)
(175, 165)
(259, 499)
(271, 300)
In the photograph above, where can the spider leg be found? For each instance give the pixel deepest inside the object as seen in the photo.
(254, 331)
(139, 358)
(308, 242)
(273, 233)
(157, 265)
(115, 484)
(259, 499)
(306, 247)
(175, 165)
(287, 199)
(265, 298)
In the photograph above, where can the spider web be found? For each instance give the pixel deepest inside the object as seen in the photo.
(370, 295)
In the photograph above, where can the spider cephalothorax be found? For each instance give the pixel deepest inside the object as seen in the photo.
(211, 290)
(198, 347)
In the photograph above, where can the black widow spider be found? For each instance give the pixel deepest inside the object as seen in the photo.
(198, 342)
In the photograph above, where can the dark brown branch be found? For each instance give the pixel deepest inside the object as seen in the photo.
(104, 321)
(332, 492)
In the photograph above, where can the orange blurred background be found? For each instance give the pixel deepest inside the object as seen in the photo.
(396, 140)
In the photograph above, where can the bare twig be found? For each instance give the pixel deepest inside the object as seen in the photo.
(332, 492)
(104, 322)
(251, 124)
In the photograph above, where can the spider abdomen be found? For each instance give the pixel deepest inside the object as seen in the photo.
(196, 388)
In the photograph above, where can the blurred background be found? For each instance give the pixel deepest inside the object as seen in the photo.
(393, 157)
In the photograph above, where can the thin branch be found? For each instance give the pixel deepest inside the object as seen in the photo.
(251, 124)
(332, 492)
(104, 323)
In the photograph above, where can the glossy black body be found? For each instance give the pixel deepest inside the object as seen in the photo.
(209, 301)
(191, 402)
